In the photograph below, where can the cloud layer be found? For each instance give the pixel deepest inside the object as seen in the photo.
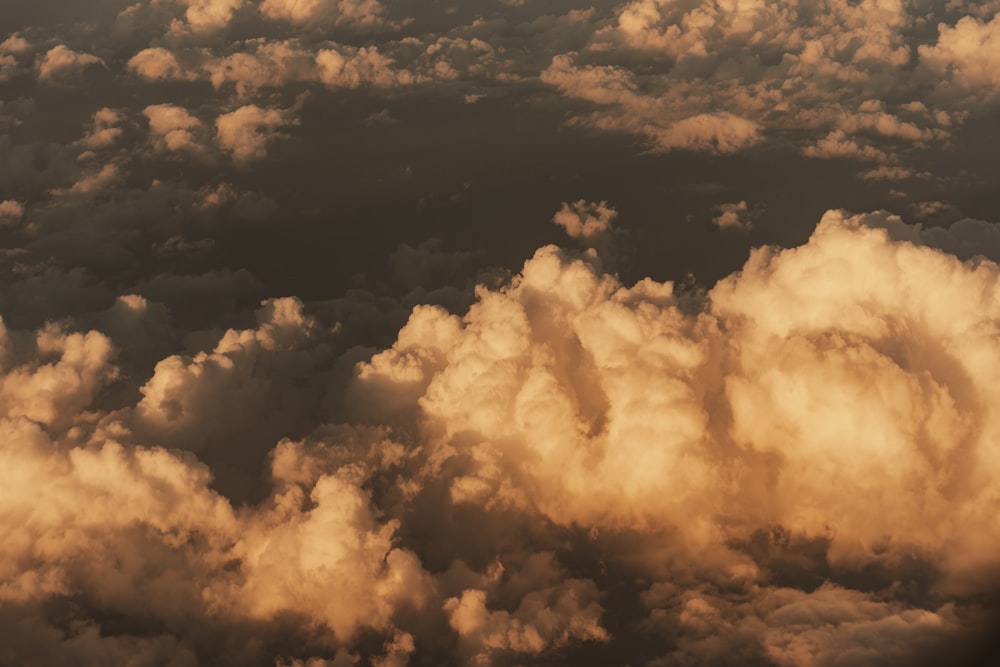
(375, 332)
(699, 452)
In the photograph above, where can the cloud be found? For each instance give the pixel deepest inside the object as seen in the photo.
(354, 13)
(585, 220)
(11, 211)
(365, 67)
(94, 181)
(159, 64)
(10, 49)
(105, 130)
(699, 454)
(255, 410)
(734, 216)
(837, 144)
(648, 116)
(545, 619)
(334, 566)
(52, 393)
(724, 77)
(271, 64)
(173, 129)
(246, 132)
(965, 53)
(61, 63)
(808, 353)
(206, 16)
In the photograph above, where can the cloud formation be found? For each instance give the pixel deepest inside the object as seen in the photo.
(701, 452)
(246, 132)
(278, 387)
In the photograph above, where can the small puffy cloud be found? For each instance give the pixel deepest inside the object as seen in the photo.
(734, 216)
(206, 16)
(712, 132)
(367, 66)
(936, 211)
(11, 211)
(15, 44)
(105, 129)
(263, 64)
(891, 173)
(585, 220)
(837, 144)
(8, 67)
(246, 132)
(61, 63)
(11, 47)
(174, 129)
(159, 64)
(94, 181)
(355, 13)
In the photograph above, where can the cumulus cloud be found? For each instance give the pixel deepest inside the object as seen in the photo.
(734, 216)
(651, 117)
(545, 619)
(61, 63)
(246, 132)
(158, 64)
(356, 13)
(837, 144)
(795, 464)
(790, 425)
(585, 220)
(105, 129)
(94, 181)
(10, 49)
(724, 77)
(575, 366)
(333, 566)
(365, 67)
(966, 52)
(11, 211)
(173, 129)
(270, 64)
(205, 16)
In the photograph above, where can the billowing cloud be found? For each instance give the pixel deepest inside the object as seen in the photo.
(967, 52)
(286, 378)
(700, 451)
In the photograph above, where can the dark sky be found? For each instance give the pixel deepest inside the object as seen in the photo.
(384, 332)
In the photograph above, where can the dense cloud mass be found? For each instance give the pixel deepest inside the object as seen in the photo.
(372, 332)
